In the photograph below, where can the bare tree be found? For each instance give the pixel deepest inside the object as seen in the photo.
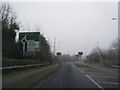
(109, 56)
(9, 25)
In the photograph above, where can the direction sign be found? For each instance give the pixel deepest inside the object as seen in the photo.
(29, 42)
(58, 53)
(80, 53)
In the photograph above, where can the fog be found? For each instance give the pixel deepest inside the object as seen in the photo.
(77, 26)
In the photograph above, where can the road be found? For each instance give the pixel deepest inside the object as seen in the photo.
(70, 76)
(104, 68)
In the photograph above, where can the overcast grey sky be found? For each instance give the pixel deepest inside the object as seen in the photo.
(77, 26)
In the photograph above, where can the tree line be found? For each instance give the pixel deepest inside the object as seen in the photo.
(106, 56)
(9, 27)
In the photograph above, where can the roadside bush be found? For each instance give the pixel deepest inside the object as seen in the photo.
(13, 62)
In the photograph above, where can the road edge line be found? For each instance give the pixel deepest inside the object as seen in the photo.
(110, 83)
(81, 70)
(94, 82)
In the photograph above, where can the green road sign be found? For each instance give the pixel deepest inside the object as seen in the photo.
(29, 42)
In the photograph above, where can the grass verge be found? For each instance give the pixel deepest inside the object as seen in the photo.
(14, 72)
(13, 62)
(34, 79)
(81, 65)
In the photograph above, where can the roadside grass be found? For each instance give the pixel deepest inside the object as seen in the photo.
(34, 79)
(81, 65)
(88, 68)
(12, 62)
(109, 63)
(15, 72)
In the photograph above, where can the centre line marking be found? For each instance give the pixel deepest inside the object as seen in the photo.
(81, 70)
(94, 82)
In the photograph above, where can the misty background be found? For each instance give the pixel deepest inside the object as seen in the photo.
(77, 26)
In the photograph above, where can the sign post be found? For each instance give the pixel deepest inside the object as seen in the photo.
(80, 55)
(59, 54)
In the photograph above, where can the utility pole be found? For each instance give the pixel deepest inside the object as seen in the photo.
(54, 45)
(100, 53)
(54, 50)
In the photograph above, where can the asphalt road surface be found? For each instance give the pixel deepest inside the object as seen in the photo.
(70, 76)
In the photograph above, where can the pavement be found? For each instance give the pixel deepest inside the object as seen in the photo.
(71, 76)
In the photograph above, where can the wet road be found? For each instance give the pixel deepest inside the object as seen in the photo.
(69, 76)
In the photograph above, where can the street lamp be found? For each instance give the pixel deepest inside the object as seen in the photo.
(114, 18)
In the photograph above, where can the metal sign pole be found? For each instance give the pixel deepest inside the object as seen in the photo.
(23, 47)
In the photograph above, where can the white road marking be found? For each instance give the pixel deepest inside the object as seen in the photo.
(110, 83)
(94, 82)
(103, 76)
(81, 70)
